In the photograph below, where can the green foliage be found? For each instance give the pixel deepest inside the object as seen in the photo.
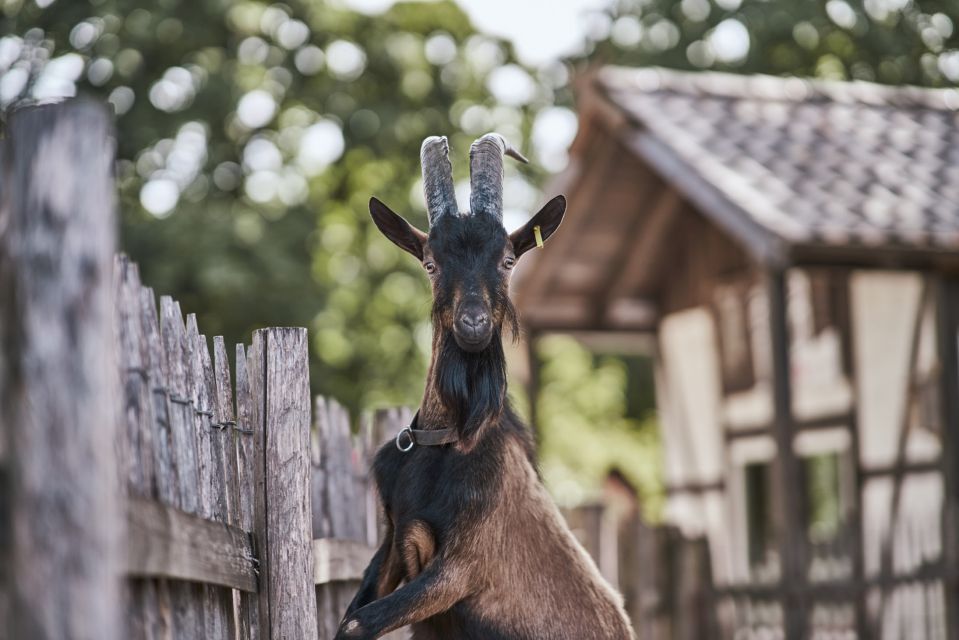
(900, 42)
(252, 135)
(583, 402)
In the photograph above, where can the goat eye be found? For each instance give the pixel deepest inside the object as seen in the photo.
(430, 268)
(509, 262)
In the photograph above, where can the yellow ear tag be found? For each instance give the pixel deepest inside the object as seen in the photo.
(539, 236)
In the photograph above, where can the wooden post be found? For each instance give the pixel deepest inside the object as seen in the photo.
(246, 430)
(792, 533)
(281, 383)
(163, 482)
(947, 327)
(57, 380)
(147, 614)
(187, 598)
(218, 605)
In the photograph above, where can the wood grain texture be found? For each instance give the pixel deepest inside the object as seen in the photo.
(187, 598)
(225, 431)
(147, 603)
(256, 405)
(170, 543)
(57, 239)
(163, 482)
(218, 602)
(346, 510)
(249, 605)
(286, 455)
(338, 513)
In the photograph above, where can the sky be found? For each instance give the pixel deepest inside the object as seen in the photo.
(541, 30)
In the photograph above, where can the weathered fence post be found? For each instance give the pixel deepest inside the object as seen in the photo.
(57, 380)
(279, 377)
(246, 476)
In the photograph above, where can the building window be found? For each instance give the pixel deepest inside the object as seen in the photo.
(760, 523)
(827, 508)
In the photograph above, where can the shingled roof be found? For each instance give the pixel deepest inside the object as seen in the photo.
(808, 162)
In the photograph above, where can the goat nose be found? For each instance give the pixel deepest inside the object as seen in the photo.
(475, 321)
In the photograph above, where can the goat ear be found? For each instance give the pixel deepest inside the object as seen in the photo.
(399, 231)
(547, 219)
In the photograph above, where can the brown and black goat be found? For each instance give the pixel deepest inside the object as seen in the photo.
(474, 547)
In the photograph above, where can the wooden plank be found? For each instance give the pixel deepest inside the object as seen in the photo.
(339, 505)
(244, 454)
(145, 611)
(187, 599)
(286, 561)
(57, 371)
(256, 381)
(163, 481)
(134, 437)
(338, 515)
(163, 465)
(224, 444)
(218, 605)
(169, 543)
(338, 560)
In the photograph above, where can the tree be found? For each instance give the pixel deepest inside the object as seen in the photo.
(251, 136)
(896, 42)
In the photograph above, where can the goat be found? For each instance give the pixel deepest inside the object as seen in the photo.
(481, 549)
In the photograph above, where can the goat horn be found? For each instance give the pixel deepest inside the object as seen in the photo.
(437, 178)
(486, 173)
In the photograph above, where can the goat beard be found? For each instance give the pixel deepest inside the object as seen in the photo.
(472, 386)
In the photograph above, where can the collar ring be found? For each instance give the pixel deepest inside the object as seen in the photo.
(409, 436)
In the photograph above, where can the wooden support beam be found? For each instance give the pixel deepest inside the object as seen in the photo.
(947, 329)
(165, 542)
(792, 531)
(58, 386)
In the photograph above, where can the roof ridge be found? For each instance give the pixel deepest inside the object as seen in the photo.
(778, 88)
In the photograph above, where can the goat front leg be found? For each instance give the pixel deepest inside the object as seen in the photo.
(441, 585)
(381, 577)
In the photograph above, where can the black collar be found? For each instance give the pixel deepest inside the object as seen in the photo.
(410, 436)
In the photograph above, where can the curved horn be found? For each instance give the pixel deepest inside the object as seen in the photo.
(437, 178)
(486, 173)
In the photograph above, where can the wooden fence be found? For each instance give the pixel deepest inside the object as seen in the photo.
(143, 494)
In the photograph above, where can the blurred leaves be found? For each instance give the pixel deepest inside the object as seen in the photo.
(886, 41)
(252, 135)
